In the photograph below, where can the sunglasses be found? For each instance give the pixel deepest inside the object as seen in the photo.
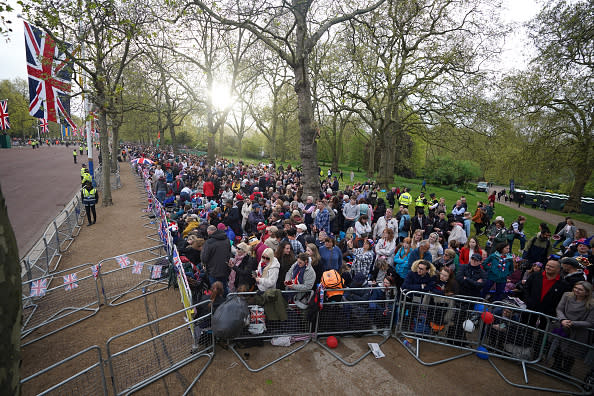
(265, 258)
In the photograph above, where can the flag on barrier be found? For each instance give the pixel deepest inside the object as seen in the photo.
(70, 282)
(95, 270)
(156, 272)
(38, 288)
(137, 268)
(176, 260)
(123, 261)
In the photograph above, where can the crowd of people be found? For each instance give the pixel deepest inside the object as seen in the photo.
(249, 227)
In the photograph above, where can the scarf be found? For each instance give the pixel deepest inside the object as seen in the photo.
(298, 273)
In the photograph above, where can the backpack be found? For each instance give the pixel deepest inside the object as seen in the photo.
(331, 279)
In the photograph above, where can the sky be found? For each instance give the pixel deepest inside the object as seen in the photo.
(12, 53)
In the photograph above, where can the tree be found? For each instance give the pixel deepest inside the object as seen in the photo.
(291, 29)
(16, 92)
(411, 62)
(559, 87)
(107, 30)
(10, 300)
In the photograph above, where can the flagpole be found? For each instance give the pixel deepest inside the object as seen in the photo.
(87, 111)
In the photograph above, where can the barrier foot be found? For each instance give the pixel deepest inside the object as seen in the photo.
(353, 363)
(415, 353)
(256, 370)
(197, 378)
(580, 390)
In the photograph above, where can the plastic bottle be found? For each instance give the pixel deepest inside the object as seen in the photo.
(409, 345)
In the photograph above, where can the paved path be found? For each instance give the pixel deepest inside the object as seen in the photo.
(37, 185)
(549, 217)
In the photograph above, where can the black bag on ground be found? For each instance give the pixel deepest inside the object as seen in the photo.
(230, 318)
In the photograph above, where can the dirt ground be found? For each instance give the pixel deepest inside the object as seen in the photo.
(312, 370)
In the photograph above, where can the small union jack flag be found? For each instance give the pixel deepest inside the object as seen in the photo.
(156, 272)
(176, 260)
(137, 268)
(123, 261)
(38, 288)
(4, 124)
(70, 282)
(44, 128)
(95, 270)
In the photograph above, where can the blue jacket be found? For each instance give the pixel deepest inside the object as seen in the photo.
(413, 281)
(330, 259)
(401, 262)
(414, 256)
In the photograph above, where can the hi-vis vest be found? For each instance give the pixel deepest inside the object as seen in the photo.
(89, 196)
(405, 199)
(82, 172)
(85, 178)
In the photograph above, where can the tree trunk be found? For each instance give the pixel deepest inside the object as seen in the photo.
(211, 147)
(371, 159)
(10, 300)
(309, 148)
(104, 144)
(115, 148)
(172, 133)
(221, 141)
(574, 202)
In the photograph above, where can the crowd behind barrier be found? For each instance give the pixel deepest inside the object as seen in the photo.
(466, 325)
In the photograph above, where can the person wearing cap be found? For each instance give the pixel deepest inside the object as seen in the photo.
(572, 270)
(86, 177)
(296, 246)
(301, 233)
(83, 168)
(89, 197)
(496, 233)
(472, 277)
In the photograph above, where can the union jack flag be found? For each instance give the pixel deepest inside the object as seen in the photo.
(176, 260)
(137, 268)
(38, 288)
(70, 282)
(95, 270)
(156, 272)
(49, 76)
(43, 125)
(4, 124)
(123, 261)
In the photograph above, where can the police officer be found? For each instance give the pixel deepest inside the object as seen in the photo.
(405, 198)
(82, 172)
(89, 196)
(86, 178)
(74, 154)
(420, 203)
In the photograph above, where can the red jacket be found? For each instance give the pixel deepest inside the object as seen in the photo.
(464, 259)
(208, 188)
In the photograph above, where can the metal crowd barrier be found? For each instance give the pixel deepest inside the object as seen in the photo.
(135, 365)
(567, 360)
(114, 178)
(120, 284)
(89, 381)
(457, 322)
(45, 255)
(65, 299)
(296, 325)
(362, 311)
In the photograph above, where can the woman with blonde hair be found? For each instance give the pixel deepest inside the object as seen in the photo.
(420, 277)
(576, 314)
(416, 238)
(267, 271)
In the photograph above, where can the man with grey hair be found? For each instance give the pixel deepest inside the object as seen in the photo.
(350, 211)
(386, 221)
(215, 256)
